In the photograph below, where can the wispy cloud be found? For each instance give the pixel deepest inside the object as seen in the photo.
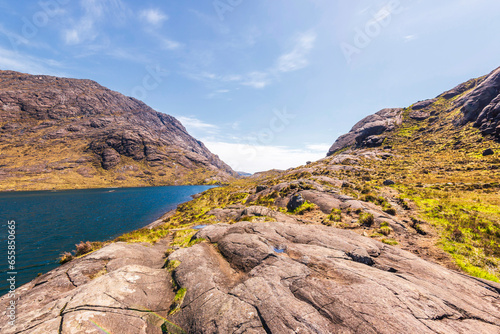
(84, 30)
(319, 147)
(196, 126)
(257, 79)
(154, 17)
(290, 61)
(297, 58)
(409, 38)
(217, 93)
(168, 44)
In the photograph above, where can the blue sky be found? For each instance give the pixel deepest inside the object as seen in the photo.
(264, 84)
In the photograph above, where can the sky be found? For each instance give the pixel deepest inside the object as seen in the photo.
(264, 84)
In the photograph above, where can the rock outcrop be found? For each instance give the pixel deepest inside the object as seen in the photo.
(51, 128)
(369, 131)
(482, 105)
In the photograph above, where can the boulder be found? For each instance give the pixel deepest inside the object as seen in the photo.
(423, 104)
(325, 201)
(487, 152)
(295, 202)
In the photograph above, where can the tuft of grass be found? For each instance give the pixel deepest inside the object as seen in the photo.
(307, 206)
(65, 257)
(391, 242)
(171, 265)
(385, 230)
(177, 302)
(335, 215)
(366, 219)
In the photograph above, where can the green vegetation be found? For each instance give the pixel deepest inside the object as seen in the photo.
(81, 249)
(177, 302)
(305, 207)
(171, 265)
(366, 219)
(335, 215)
(385, 229)
(391, 242)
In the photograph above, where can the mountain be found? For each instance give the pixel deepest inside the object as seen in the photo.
(67, 133)
(397, 230)
(474, 103)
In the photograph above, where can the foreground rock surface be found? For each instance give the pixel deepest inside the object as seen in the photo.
(257, 278)
(284, 278)
(120, 288)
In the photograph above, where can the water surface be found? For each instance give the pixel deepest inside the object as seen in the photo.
(49, 223)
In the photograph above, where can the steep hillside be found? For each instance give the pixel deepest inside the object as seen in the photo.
(442, 154)
(65, 133)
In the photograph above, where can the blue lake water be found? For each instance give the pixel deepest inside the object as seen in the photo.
(48, 223)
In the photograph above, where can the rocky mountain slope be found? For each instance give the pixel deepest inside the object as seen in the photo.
(397, 233)
(475, 102)
(68, 133)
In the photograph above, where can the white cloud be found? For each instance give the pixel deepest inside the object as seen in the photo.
(217, 93)
(410, 38)
(154, 17)
(194, 125)
(169, 44)
(256, 158)
(297, 58)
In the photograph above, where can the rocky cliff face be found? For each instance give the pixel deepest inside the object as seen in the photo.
(67, 133)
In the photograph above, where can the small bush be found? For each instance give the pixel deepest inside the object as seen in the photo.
(366, 219)
(65, 257)
(390, 210)
(335, 215)
(83, 248)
